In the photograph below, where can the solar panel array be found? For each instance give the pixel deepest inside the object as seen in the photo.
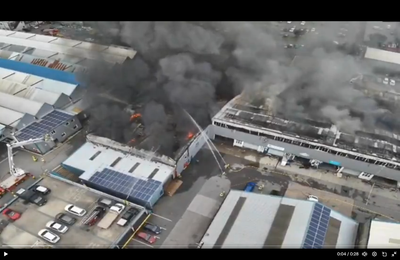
(47, 124)
(318, 227)
(125, 184)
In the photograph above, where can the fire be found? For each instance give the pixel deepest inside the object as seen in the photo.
(134, 116)
(190, 135)
(132, 141)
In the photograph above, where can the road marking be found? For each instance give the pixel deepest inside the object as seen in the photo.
(167, 219)
(5, 159)
(143, 243)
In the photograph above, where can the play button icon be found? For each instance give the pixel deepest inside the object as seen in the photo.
(5, 254)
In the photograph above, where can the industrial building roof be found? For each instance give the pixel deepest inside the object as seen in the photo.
(58, 100)
(20, 104)
(91, 158)
(46, 84)
(44, 125)
(23, 233)
(41, 61)
(39, 71)
(9, 117)
(86, 50)
(363, 151)
(381, 55)
(250, 220)
(384, 234)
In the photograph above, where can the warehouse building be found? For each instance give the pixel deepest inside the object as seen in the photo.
(384, 234)
(250, 220)
(122, 171)
(58, 124)
(75, 52)
(364, 155)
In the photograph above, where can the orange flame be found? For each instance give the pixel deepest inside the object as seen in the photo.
(132, 141)
(134, 116)
(190, 135)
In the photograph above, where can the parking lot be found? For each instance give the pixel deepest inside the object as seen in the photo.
(23, 232)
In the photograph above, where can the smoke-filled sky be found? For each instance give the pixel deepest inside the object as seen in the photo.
(182, 65)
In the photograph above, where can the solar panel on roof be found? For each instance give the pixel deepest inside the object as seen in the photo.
(46, 125)
(125, 184)
(318, 227)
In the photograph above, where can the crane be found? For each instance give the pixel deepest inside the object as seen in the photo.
(14, 171)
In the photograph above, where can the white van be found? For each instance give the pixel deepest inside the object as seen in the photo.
(312, 198)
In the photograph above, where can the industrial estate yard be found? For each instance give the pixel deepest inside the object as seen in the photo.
(210, 135)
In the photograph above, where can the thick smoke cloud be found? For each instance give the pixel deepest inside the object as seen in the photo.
(182, 65)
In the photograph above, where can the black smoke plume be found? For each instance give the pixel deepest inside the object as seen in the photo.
(184, 65)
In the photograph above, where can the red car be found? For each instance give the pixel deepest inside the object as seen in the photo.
(11, 214)
(146, 237)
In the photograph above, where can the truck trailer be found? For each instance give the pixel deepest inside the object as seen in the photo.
(111, 216)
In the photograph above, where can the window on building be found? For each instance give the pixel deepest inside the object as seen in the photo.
(67, 123)
(94, 156)
(75, 126)
(53, 132)
(72, 120)
(63, 134)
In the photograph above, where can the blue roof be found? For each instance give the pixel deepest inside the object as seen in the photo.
(126, 185)
(48, 123)
(39, 71)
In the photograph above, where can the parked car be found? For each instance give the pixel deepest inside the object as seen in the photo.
(11, 214)
(127, 216)
(147, 237)
(40, 189)
(71, 208)
(60, 228)
(312, 198)
(392, 82)
(66, 219)
(303, 23)
(153, 228)
(106, 202)
(118, 208)
(48, 236)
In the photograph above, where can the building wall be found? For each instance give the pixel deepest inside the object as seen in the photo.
(198, 142)
(69, 130)
(71, 169)
(39, 71)
(263, 142)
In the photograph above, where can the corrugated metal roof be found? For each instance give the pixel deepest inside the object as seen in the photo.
(251, 224)
(54, 47)
(40, 95)
(384, 234)
(381, 55)
(9, 117)
(119, 52)
(39, 71)
(20, 104)
(81, 160)
(37, 82)
(10, 87)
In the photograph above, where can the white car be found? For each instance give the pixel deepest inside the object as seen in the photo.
(392, 82)
(118, 208)
(48, 236)
(312, 198)
(57, 227)
(385, 81)
(289, 22)
(75, 210)
(303, 23)
(292, 29)
(313, 29)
